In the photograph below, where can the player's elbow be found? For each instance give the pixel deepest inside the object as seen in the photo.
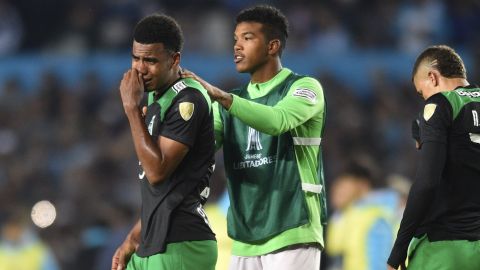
(155, 178)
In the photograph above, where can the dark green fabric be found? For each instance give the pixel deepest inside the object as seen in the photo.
(263, 182)
(461, 97)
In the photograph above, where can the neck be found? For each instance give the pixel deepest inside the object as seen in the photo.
(175, 75)
(267, 71)
(448, 85)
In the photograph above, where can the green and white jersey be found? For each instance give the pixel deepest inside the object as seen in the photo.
(271, 137)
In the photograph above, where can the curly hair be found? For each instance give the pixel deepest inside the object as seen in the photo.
(159, 28)
(275, 24)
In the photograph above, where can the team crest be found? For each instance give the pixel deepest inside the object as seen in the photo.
(428, 111)
(186, 110)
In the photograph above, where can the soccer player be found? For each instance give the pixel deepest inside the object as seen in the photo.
(174, 141)
(442, 215)
(271, 130)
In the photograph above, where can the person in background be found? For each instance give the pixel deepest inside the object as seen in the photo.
(20, 247)
(360, 231)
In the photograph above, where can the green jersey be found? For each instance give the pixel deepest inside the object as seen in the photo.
(282, 121)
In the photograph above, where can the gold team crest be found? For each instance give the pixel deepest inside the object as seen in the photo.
(428, 111)
(186, 110)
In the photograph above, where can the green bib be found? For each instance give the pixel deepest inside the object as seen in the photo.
(266, 196)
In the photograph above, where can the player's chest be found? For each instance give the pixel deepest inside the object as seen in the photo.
(153, 119)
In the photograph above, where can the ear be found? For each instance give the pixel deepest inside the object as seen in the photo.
(176, 59)
(274, 46)
(434, 77)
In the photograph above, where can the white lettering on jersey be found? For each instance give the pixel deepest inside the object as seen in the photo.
(475, 94)
(475, 118)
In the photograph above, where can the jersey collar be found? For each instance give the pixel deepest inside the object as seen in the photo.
(256, 90)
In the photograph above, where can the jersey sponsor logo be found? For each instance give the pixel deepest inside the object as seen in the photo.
(150, 125)
(186, 110)
(141, 175)
(202, 213)
(179, 86)
(474, 94)
(253, 140)
(305, 93)
(205, 193)
(474, 137)
(255, 159)
(428, 111)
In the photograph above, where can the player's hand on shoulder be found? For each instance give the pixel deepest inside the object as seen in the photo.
(214, 92)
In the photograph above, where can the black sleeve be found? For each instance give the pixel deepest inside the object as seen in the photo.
(416, 129)
(434, 124)
(432, 161)
(436, 119)
(184, 118)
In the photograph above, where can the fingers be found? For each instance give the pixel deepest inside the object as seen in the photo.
(144, 111)
(185, 73)
(140, 81)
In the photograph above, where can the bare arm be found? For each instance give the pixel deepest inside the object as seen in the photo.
(124, 252)
(159, 158)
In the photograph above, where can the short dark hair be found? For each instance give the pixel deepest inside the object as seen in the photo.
(275, 24)
(364, 168)
(444, 59)
(159, 28)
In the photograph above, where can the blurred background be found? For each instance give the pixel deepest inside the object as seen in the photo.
(64, 137)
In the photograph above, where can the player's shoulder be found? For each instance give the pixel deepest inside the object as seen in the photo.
(191, 94)
(307, 87)
(440, 99)
(437, 107)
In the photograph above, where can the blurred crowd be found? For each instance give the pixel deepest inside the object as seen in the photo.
(72, 145)
(79, 27)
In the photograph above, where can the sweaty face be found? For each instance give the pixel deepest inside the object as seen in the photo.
(154, 63)
(250, 48)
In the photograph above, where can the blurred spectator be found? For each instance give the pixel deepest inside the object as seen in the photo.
(20, 248)
(421, 23)
(11, 29)
(359, 234)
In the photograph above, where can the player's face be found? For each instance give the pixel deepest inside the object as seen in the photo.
(345, 190)
(154, 63)
(421, 81)
(250, 48)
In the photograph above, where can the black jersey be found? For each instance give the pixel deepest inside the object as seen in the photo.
(455, 212)
(444, 202)
(172, 211)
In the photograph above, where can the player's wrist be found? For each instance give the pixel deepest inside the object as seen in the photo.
(132, 111)
(225, 99)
